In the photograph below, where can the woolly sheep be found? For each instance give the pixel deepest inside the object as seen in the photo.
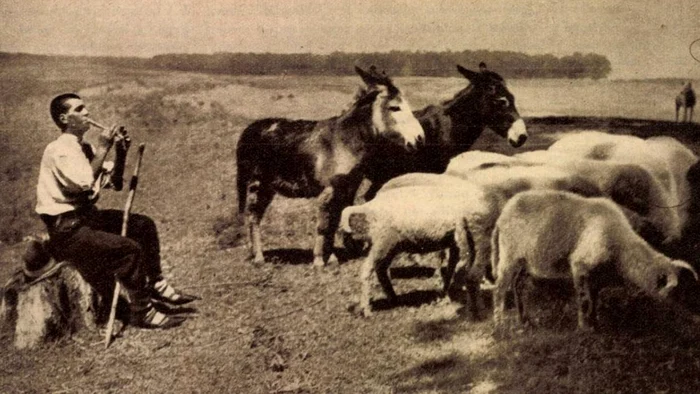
(631, 186)
(449, 214)
(567, 236)
(665, 157)
(415, 197)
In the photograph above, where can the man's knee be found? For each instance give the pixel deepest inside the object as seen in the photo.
(142, 225)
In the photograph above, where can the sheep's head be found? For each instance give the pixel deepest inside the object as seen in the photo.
(670, 280)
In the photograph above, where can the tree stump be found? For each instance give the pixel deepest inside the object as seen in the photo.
(56, 307)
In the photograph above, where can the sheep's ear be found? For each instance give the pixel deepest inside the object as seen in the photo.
(683, 265)
(665, 283)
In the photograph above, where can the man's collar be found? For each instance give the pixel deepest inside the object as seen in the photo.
(66, 135)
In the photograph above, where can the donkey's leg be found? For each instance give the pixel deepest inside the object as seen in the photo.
(259, 198)
(332, 201)
(321, 243)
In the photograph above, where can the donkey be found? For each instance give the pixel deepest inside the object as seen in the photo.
(324, 158)
(686, 100)
(452, 127)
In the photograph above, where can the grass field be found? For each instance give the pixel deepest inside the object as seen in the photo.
(284, 327)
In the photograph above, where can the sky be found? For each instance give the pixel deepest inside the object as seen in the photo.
(642, 38)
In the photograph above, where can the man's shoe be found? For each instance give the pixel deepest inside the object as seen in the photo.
(164, 292)
(157, 320)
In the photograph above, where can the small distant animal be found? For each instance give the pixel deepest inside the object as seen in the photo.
(686, 100)
(560, 235)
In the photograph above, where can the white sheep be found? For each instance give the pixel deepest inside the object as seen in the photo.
(555, 235)
(413, 211)
(666, 158)
(450, 213)
(632, 186)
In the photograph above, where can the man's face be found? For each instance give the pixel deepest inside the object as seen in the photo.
(75, 116)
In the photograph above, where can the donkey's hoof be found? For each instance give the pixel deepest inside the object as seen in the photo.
(258, 260)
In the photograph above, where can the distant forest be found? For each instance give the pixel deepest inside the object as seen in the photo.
(395, 63)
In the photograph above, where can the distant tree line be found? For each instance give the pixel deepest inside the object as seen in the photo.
(397, 63)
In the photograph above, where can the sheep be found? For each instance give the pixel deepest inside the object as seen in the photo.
(420, 194)
(667, 159)
(475, 159)
(557, 235)
(634, 188)
(448, 214)
(505, 178)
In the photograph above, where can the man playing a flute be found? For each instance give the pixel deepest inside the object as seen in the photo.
(71, 176)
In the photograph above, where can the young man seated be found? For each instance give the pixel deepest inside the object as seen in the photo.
(71, 177)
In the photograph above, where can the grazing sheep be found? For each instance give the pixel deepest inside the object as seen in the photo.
(449, 214)
(406, 205)
(668, 160)
(556, 235)
(643, 199)
(504, 179)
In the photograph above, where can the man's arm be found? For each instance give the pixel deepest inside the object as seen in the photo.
(104, 143)
(122, 143)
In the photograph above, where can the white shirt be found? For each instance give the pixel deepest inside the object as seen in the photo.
(65, 176)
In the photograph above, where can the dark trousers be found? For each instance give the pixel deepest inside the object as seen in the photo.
(90, 239)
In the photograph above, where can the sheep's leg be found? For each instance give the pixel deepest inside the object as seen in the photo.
(258, 199)
(453, 258)
(382, 270)
(365, 278)
(499, 300)
(459, 263)
(475, 248)
(519, 292)
(377, 261)
(504, 283)
(586, 301)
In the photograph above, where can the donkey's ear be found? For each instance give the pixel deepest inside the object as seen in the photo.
(472, 76)
(367, 78)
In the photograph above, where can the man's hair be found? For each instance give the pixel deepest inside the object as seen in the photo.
(58, 107)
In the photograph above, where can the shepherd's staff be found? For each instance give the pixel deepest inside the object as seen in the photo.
(117, 287)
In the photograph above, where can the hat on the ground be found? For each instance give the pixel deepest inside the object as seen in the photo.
(37, 261)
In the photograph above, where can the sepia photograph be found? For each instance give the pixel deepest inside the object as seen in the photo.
(308, 196)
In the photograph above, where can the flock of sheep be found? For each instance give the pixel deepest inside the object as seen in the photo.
(594, 207)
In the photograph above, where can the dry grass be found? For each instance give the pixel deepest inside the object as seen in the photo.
(284, 327)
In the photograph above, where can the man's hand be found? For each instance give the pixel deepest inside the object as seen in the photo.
(122, 140)
(106, 138)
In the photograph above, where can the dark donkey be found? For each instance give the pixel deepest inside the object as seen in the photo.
(325, 159)
(452, 127)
